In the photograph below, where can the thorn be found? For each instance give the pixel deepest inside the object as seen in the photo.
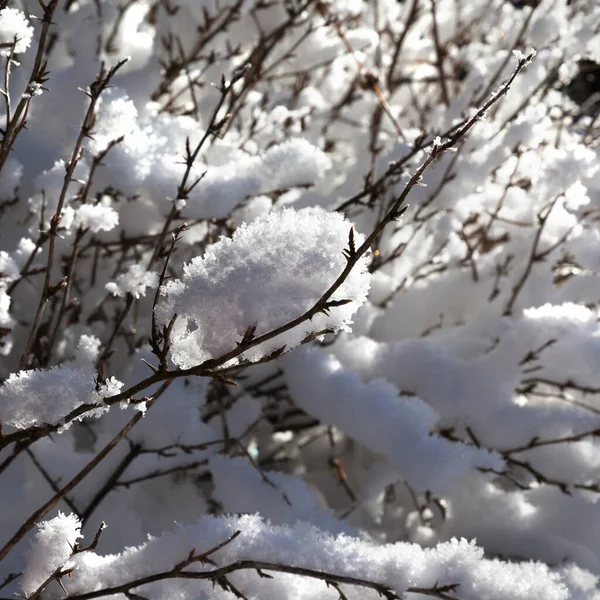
(332, 304)
(263, 574)
(278, 352)
(240, 72)
(350, 253)
(224, 380)
(248, 335)
(156, 370)
(400, 212)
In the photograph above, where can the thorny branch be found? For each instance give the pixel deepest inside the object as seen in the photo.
(41, 512)
(190, 64)
(213, 367)
(48, 290)
(39, 75)
(219, 576)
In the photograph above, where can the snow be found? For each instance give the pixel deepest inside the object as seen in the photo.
(270, 272)
(50, 550)
(399, 566)
(134, 281)
(400, 427)
(282, 499)
(96, 217)
(14, 28)
(36, 397)
(436, 423)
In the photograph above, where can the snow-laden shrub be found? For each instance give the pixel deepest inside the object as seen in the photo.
(300, 299)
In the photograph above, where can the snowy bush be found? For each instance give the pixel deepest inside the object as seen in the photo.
(300, 299)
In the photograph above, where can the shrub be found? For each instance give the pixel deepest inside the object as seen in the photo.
(299, 299)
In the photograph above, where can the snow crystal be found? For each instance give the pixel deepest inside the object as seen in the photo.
(10, 265)
(88, 350)
(272, 271)
(116, 116)
(295, 162)
(134, 281)
(51, 549)
(34, 397)
(398, 566)
(6, 322)
(14, 27)
(25, 248)
(109, 387)
(9, 270)
(96, 217)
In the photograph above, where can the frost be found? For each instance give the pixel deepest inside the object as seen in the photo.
(48, 186)
(11, 264)
(270, 272)
(33, 89)
(30, 398)
(25, 248)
